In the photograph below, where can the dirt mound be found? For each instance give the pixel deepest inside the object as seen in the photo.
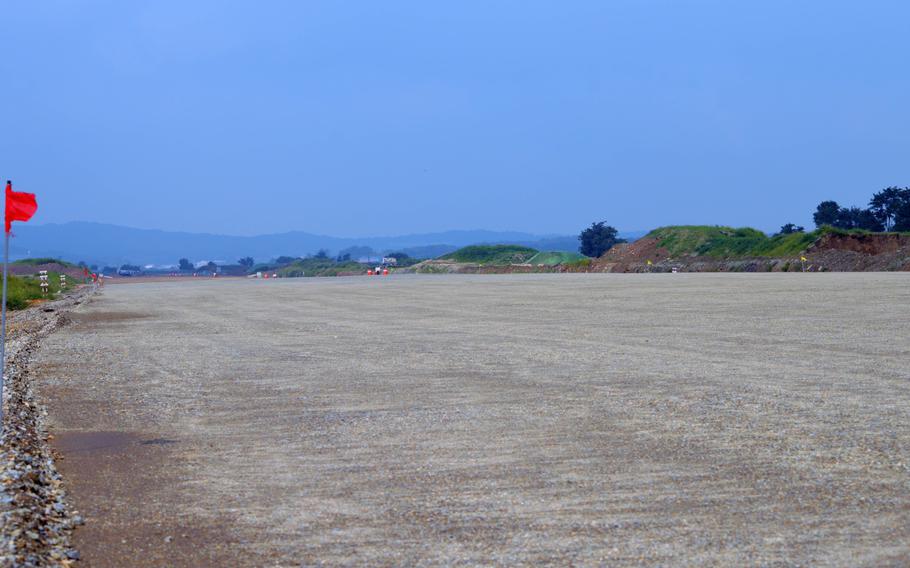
(872, 252)
(627, 257)
(836, 252)
(871, 244)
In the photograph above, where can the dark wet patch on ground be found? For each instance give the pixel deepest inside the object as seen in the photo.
(133, 471)
(157, 442)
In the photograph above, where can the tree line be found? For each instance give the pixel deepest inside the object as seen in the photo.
(888, 210)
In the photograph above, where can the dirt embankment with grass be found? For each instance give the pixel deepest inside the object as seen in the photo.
(24, 291)
(727, 249)
(31, 266)
(501, 259)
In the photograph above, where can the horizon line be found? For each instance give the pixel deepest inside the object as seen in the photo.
(402, 235)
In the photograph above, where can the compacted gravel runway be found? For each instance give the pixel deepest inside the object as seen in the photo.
(683, 419)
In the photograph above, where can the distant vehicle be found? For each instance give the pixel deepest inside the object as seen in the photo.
(128, 272)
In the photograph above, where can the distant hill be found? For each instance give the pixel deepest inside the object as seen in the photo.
(104, 244)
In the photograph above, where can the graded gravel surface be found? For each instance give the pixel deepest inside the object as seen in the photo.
(584, 419)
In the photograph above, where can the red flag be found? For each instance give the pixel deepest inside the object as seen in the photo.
(19, 206)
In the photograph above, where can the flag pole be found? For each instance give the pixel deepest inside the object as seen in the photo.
(3, 313)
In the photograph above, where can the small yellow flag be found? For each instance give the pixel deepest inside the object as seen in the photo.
(649, 263)
(804, 259)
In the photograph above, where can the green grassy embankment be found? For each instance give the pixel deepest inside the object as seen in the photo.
(47, 260)
(22, 289)
(491, 254)
(556, 258)
(318, 267)
(727, 242)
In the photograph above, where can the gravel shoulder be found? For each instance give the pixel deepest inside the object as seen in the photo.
(618, 419)
(35, 521)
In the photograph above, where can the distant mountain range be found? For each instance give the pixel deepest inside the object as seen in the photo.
(103, 244)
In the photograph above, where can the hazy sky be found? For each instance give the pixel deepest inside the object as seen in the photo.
(367, 118)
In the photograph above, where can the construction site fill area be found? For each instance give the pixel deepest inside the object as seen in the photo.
(622, 419)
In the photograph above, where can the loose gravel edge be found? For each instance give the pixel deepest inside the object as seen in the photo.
(35, 522)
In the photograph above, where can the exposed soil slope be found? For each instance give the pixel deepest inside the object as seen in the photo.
(888, 251)
(693, 252)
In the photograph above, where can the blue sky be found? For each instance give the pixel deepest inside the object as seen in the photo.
(369, 118)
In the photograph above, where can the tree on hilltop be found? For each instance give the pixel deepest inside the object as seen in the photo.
(857, 218)
(831, 214)
(902, 218)
(826, 213)
(184, 264)
(886, 204)
(246, 262)
(598, 239)
(790, 228)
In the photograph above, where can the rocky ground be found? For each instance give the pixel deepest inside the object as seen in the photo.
(35, 522)
(587, 419)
